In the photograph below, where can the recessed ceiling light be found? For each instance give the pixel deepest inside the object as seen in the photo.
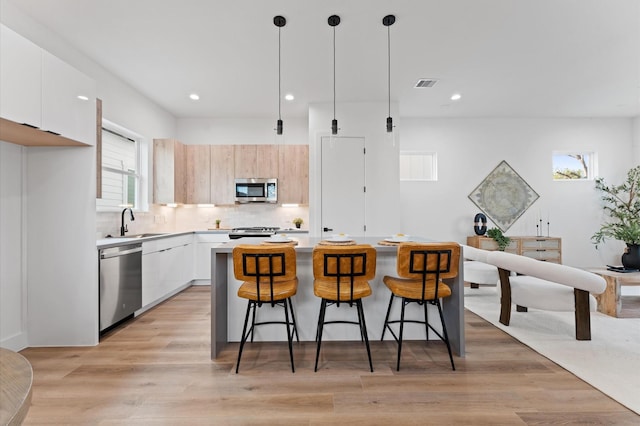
(194, 96)
(83, 98)
(456, 96)
(289, 97)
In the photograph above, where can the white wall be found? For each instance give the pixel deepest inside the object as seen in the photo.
(636, 140)
(468, 149)
(366, 120)
(13, 298)
(236, 131)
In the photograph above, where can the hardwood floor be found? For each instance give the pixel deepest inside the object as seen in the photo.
(156, 370)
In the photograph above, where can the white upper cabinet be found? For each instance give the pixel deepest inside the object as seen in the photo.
(39, 89)
(63, 110)
(20, 78)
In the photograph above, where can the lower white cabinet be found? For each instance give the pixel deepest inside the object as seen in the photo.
(204, 243)
(167, 264)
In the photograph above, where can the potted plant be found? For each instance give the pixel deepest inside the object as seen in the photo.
(502, 240)
(298, 222)
(622, 205)
(218, 223)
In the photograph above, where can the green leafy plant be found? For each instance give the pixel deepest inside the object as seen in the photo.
(502, 240)
(298, 222)
(622, 205)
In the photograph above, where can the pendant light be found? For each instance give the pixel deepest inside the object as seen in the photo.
(279, 21)
(334, 20)
(387, 21)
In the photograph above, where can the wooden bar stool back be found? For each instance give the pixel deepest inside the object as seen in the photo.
(269, 277)
(422, 267)
(341, 277)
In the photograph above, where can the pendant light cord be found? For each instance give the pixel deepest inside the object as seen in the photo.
(279, 77)
(334, 73)
(389, 66)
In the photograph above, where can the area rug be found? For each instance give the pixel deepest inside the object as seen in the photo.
(610, 361)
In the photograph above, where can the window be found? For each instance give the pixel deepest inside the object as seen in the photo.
(120, 168)
(418, 166)
(574, 165)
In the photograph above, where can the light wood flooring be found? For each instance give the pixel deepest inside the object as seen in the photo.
(157, 370)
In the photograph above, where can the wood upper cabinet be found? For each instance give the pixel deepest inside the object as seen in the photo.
(256, 161)
(293, 176)
(245, 161)
(198, 176)
(266, 161)
(168, 171)
(222, 175)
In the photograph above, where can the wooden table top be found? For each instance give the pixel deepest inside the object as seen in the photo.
(16, 380)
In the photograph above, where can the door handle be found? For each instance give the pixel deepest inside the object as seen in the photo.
(325, 229)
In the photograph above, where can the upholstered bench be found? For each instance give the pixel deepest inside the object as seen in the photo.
(546, 286)
(476, 269)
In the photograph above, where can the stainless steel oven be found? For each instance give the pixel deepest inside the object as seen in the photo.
(256, 190)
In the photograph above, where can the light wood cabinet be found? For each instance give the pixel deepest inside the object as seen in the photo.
(266, 162)
(222, 174)
(168, 171)
(293, 174)
(198, 174)
(548, 249)
(245, 161)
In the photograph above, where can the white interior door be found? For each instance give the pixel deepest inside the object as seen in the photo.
(343, 186)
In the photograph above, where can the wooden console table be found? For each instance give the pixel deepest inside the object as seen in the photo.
(548, 249)
(610, 302)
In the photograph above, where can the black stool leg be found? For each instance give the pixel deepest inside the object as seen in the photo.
(426, 318)
(253, 322)
(446, 336)
(363, 331)
(386, 318)
(323, 307)
(243, 339)
(293, 317)
(289, 335)
(401, 331)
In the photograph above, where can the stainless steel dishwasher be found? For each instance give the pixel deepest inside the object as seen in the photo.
(120, 283)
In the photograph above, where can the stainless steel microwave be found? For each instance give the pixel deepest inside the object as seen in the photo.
(256, 190)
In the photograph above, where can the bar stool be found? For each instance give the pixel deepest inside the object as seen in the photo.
(341, 276)
(269, 277)
(422, 267)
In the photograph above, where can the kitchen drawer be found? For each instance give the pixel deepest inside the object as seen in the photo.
(166, 243)
(213, 237)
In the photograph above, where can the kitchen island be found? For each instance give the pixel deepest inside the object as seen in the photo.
(228, 310)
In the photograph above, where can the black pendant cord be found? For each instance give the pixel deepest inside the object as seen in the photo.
(389, 66)
(279, 78)
(334, 73)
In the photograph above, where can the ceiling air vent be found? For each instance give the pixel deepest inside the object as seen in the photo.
(425, 82)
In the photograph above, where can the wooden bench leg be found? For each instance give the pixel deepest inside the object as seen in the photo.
(505, 296)
(583, 316)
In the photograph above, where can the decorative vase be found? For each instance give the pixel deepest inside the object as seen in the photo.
(631, 257)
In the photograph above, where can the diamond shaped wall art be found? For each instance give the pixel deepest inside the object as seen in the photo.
(503, 196)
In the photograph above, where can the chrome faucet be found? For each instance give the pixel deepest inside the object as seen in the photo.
(123, 227)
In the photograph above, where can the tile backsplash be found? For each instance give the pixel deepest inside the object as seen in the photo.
(192, 218)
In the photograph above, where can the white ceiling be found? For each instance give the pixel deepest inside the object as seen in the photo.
(518, 58)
